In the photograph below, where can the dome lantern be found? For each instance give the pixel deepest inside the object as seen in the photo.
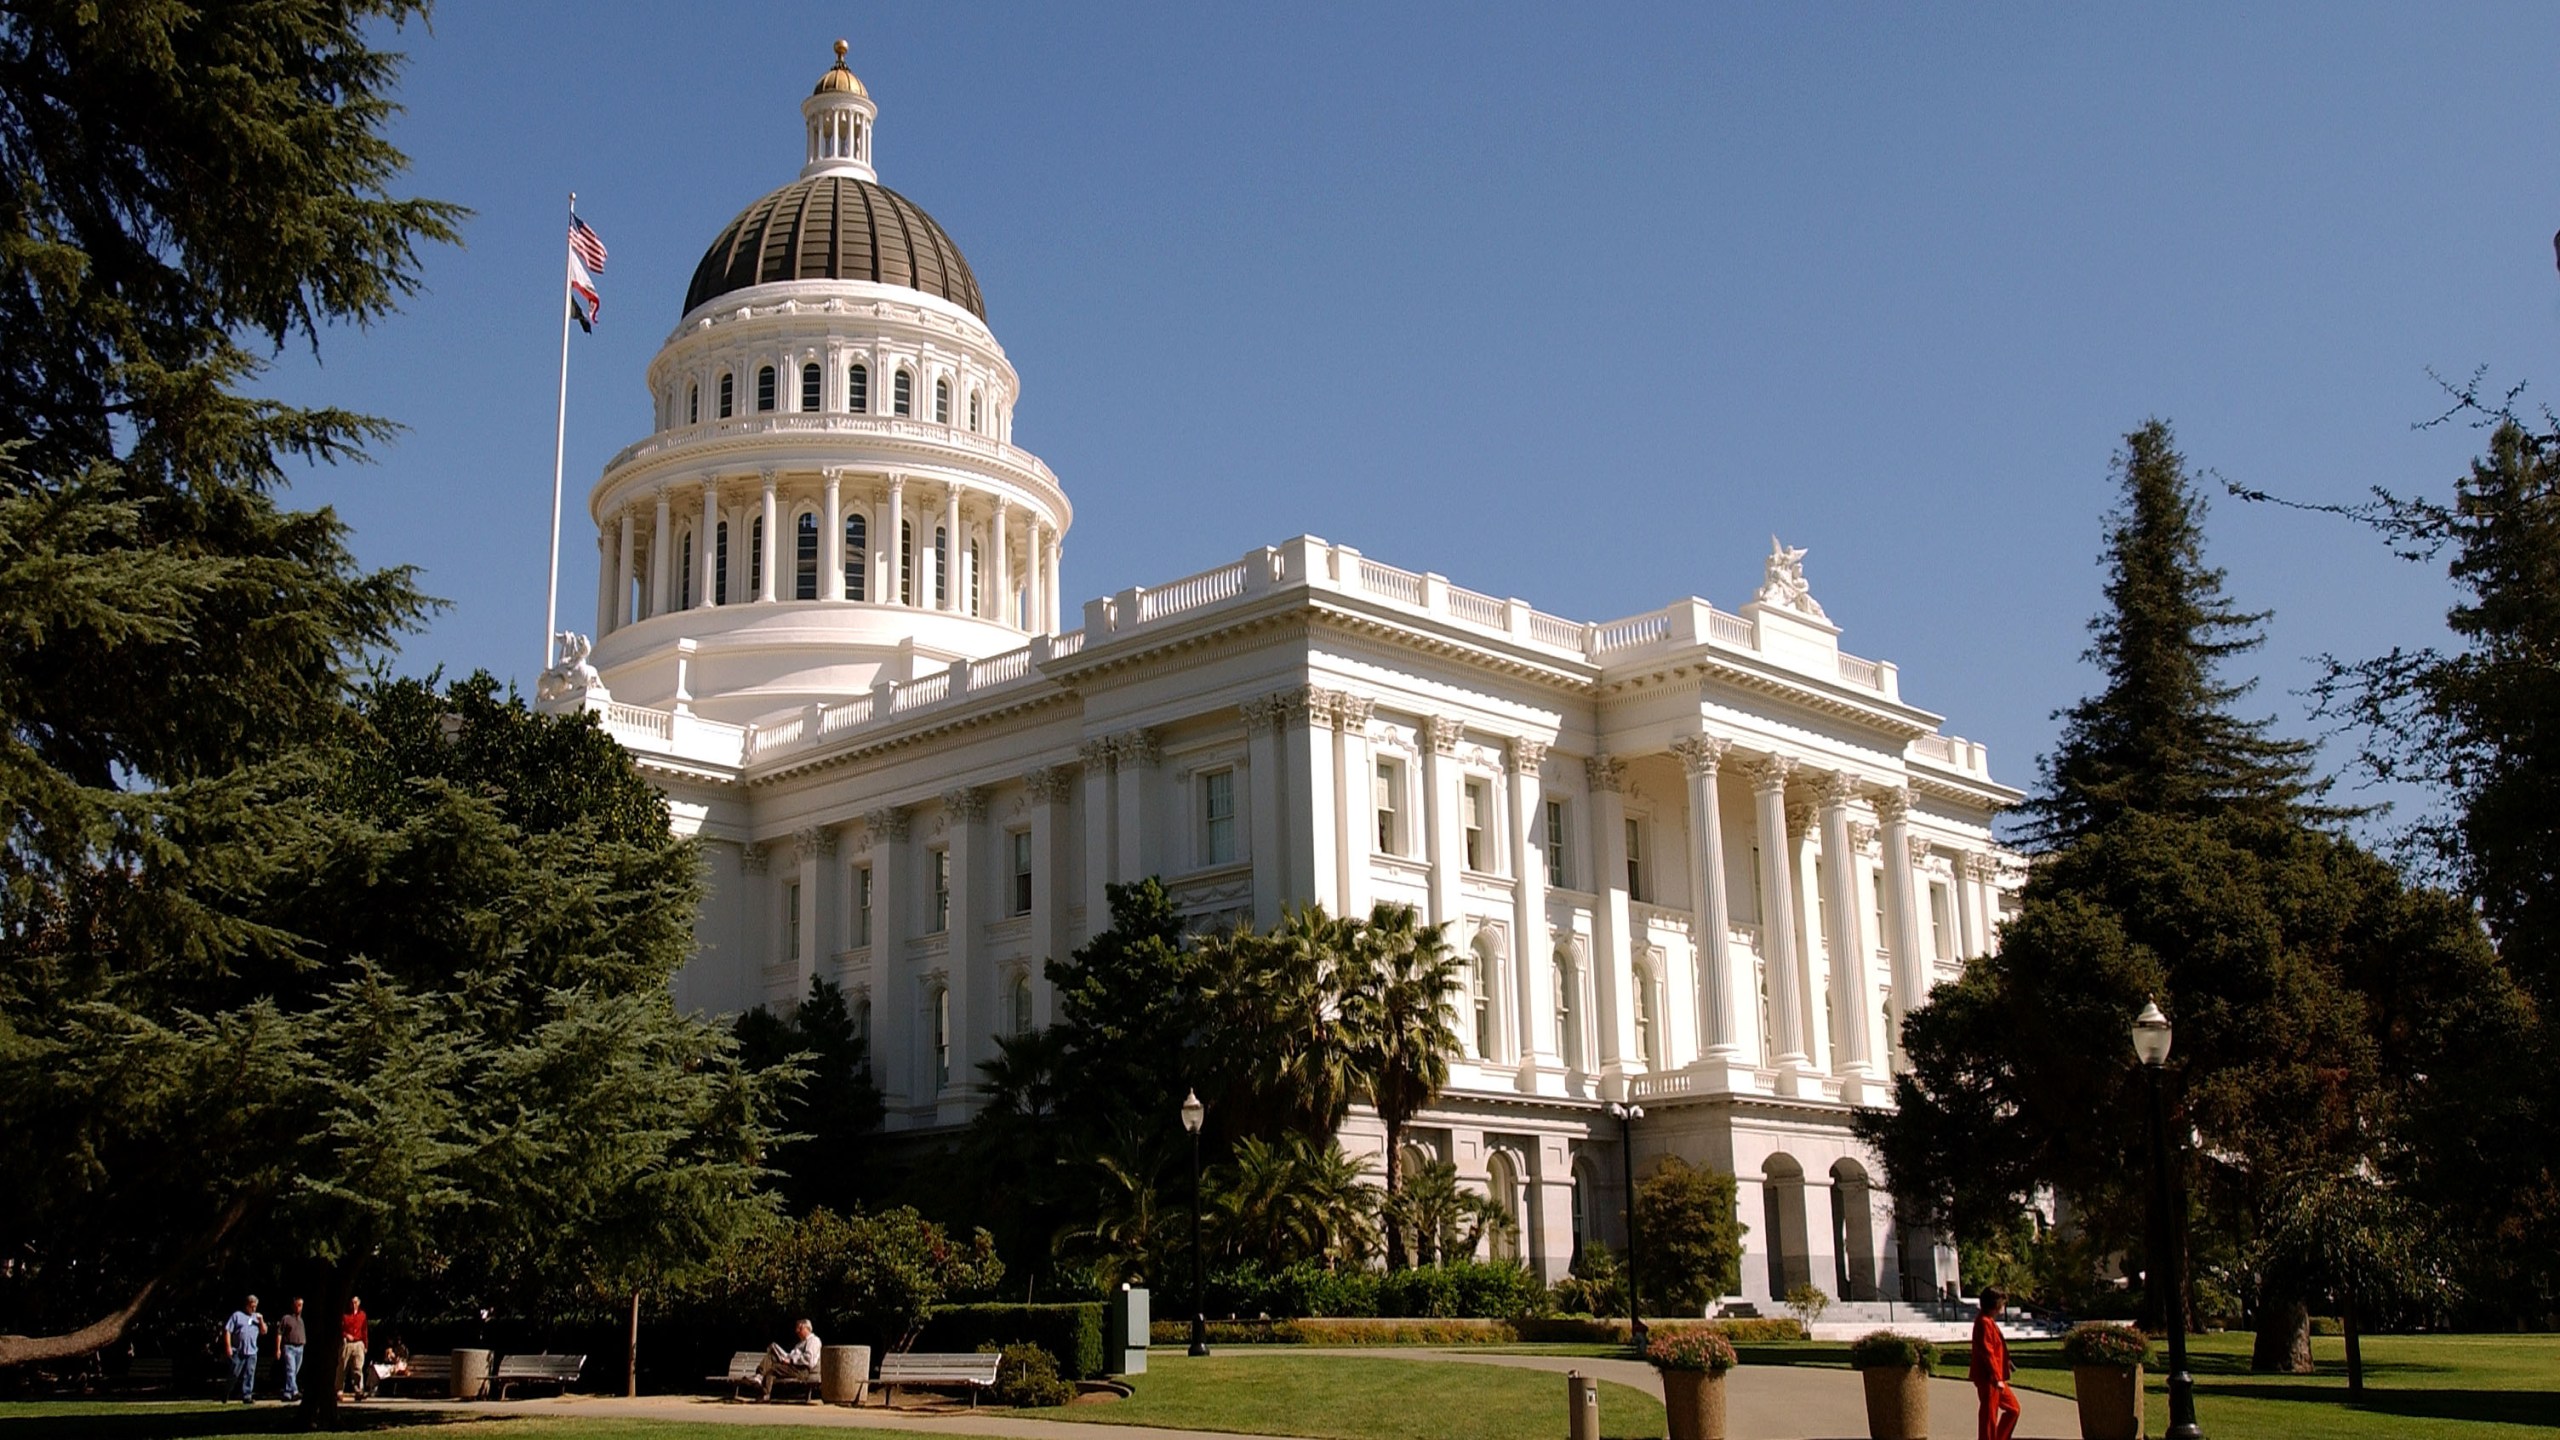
(839, 113)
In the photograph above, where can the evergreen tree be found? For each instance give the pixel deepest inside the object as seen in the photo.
(833, 1110)
(2158, 738)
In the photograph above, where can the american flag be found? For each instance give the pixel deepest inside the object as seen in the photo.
(586, 257)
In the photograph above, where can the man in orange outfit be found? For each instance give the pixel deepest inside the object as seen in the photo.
(1990, 1369)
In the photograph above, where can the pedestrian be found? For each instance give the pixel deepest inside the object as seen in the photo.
(1991, 1368)
(241, 1336)
(799, 1363)
(355, 1335)
(290, 1340)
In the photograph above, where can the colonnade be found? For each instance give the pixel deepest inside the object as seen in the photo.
(651, 562)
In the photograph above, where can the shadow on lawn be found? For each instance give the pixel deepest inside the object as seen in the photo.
(2502, 1407)
(142, 1422)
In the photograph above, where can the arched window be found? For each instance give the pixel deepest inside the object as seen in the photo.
(906, 562)
(973, 410)
(693, 404)
(1018, 1002)
(684, 572)
(804, 558)
(812, 384)
(857, 541)
(1480, 994)
(720, 565)
(902, 393)
(941, 567)
(728, 394)
(765, 397)
(941, 1036)
(1502, 1182)
(941, 402)
(857, 389)
(755, 560)
(862, 1019)
(1642, 986)
(974, 588)
(1568, 1011)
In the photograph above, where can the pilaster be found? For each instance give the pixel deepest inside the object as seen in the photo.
(1612, 963)
(1532, 948)
(1845, 944)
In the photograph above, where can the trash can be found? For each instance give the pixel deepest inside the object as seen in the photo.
(470, 1373)
(1124, 1340)
(844, 1372)
(1582, 1406)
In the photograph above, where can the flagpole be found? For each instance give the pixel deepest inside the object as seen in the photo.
(559, 458)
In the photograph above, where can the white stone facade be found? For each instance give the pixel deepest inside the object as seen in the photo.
(1700, 860)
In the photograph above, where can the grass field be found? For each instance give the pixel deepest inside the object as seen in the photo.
(1360, 1397)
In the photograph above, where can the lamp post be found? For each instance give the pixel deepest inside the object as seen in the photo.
(1626, 1116)
(2168, 1227)
(1193, 1112)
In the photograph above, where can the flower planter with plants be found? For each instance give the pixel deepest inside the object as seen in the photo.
(1692, 1361)
(1895, 1370)
(2106, 1376)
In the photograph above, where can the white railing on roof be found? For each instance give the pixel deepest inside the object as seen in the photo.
(1066, 644)
(1389, 581)
(1001, 669)
(650, 724)
(836, 718)
(1192, 592)
(780, 735)
(1866, 673)
(1935, 747)
(1634, 630)
(1555, 630)
(929, 690)
(1480, 609)
(1731, 629)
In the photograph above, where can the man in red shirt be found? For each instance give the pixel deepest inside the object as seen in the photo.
(1990, 1369)
(354, 1335)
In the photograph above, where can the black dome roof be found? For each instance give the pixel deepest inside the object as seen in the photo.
(835, 227)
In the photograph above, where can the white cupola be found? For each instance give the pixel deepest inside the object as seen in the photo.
(840, 113)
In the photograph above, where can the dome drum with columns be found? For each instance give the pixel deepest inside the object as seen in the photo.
(1699, 860)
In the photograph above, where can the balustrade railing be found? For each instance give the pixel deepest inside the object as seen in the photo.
(1478, 608)
(1634, 630)
(639, 719)
(1866, 673)
(1731, 629)
(1192, 592)
(1555, 630)
(1389, 581)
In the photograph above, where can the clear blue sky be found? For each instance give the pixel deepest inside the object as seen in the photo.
(1576, 303)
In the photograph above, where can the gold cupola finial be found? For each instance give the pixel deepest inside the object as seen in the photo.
(839, 79)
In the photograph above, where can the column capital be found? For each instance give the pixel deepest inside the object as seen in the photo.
(1096, 756)
(1351, 712)
(1981, 867)
(1605, 772)
(1527, 754)
(889, 822)
(1799, 819)
(897, 483)
(1050, 784)
(1892, 805)
(814, 840)
(751, 857)
(1141, 747)
(767, 473)
(834, 473)
(1264, 710)
(1444, 733)
(1837, 789)
(1861, 835)
(1307, 705)
(1919, 848)
(1769, 773)
(966, 803)
(1700, 754)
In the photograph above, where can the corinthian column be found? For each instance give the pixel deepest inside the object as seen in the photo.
(831, 538)
(1851, 989)
(1779, 953)
(1711, 924)
(766, 553)
(1902, 909)
(1532, 951)
(661, 532)
(705, 542)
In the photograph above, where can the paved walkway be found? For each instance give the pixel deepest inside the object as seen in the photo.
(696, 1410)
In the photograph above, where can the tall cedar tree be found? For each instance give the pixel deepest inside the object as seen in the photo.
(2473, 726)
(2313, 990)
(177, 182)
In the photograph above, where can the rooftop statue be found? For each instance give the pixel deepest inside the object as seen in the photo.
(573, 678)
(1783, 585)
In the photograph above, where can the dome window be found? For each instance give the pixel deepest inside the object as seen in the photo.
(906, 555)
(728, 394)
(857, 389)
(720, 566)
(804, 558)
(693, 404)
(765, 397)
(941, 402)
(973, 410)
(812, 381)
(941, 568)
(684, 572)
(755, 560)
(902, 393)
(857, 541)
(973, 577)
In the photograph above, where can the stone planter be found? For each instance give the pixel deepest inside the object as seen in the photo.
(1897, 1402)
(844, 1372)
(469, 1375)
(2110, 1401)
(1694, 1400)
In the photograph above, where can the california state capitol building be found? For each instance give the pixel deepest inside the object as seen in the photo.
(1698, 860)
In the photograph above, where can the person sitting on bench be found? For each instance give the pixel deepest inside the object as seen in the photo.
(800, 1362)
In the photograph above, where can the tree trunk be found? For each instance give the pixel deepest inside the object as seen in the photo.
(2355, 1348)
(324, 1364)
(631, 1368)
(2283, 1345)
(107, 1329)
(1395, 1224)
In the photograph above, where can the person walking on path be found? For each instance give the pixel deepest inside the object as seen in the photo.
(355, 1337)
(242, 1336)
(290, 1338)
(1990, 1369)
(800, 1362)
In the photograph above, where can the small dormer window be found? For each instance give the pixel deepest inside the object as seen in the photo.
(941, 402)
(857, 389)
(765, 389)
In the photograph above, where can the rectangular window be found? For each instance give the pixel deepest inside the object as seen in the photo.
(1475, 805)
(728, 396)
(1635, 860)
(1218, 816)
(1387, 792)
(941, 891)
(812, 379)
(1021, 872)
(861, 906)
(720, 566)
(1939, 925)
(1555, 844)
(941, 1038)
(902, 394)
(1877, 937)
(857, 390)
(765, 398)
(793, 901)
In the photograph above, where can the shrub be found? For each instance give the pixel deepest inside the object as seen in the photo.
(2115, 1347)
(1691, 1347)
(1027, 1377)
(2327, 1325)
(1594, 1286)
(1888, 1349)
(1402, 1332)
(1071, 1334)
(1808, 1301)
(1584, 1330)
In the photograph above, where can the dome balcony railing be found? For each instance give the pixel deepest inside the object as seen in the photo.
(805, 423)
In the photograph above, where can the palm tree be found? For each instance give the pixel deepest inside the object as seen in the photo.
(1132, 1226)
(1281, 1201)
(1399, 1002)
(1275, 1001)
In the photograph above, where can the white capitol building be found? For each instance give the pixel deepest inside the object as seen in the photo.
(1699, 860)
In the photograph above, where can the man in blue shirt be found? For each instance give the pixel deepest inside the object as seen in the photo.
(240, 1336)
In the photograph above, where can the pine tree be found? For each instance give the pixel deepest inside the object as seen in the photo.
(2159, 737)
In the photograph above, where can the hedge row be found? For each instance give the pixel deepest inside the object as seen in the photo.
(1468, 1289)
(1538, 1330)
(1072, 1334)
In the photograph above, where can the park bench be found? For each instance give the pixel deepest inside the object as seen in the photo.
(431, 1374)
(157, 1374)
(742, 1373)
(558, 1371)
(978, 1372)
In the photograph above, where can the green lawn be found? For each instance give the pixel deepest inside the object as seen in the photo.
(1356, 1397)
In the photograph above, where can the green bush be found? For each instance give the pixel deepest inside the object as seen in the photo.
(1071, 1334)
(1691, 1347)
(2116, 1347)
(2327, 1325)
(1888, 1349)
(1585, 1330)
(1027, 1378)
(1494, 1290)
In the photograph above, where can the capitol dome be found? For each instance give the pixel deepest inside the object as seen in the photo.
(835, 226)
